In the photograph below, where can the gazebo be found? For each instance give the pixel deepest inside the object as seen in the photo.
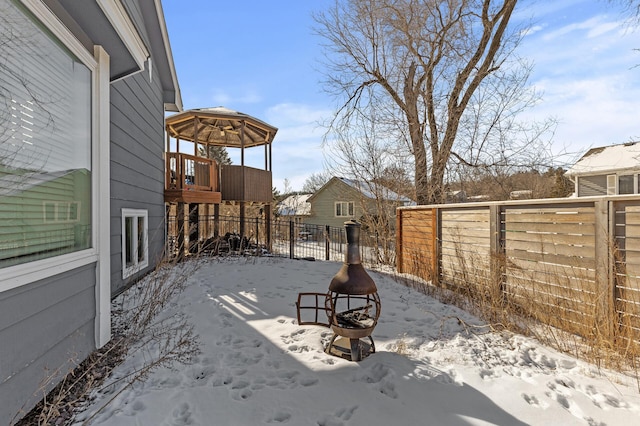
(198, 180)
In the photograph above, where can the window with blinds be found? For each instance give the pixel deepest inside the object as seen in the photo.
(344, 208)
(45, 142)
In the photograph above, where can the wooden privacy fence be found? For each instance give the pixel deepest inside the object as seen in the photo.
(571, 263)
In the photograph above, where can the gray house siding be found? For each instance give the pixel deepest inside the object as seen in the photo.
(48, 326)
(592, 185)
(58, 316)
(137, 166)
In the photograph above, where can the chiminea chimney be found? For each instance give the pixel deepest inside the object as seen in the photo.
(352, 286)
(352, 278)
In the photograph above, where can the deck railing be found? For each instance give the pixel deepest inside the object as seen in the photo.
(185, 171)
(257, 184)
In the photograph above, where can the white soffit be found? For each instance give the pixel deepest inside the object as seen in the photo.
(117, 15)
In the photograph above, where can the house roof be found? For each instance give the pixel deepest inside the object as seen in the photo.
(110, 24)
(161, 49)
(295, 205)
(368, 190)
(612, 158)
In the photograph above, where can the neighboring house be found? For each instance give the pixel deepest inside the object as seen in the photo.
(84, 86)
(295, 208)
(340, 200)
(458, 196)
(608, 170)
(522, 194)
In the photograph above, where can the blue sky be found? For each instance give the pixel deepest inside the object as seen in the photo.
(262, 58)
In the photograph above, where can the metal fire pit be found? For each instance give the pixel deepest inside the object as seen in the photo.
(352, 305)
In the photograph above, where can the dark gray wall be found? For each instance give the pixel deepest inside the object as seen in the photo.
(137, 166)
(46, 329)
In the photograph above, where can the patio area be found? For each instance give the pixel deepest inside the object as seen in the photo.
(434, 364)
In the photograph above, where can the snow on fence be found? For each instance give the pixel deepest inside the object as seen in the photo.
(572, 263)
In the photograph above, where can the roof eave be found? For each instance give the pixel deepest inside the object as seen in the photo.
(174, 102)
(122, 24)
(156, 26)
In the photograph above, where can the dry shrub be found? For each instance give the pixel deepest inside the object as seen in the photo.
(137, 324)
(564, 309)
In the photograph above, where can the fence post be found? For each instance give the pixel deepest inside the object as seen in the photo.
(257, 234)
(399, 265)
(292, 241)
(436, 236)
(268, 223)
(327, 246)
(605, 283)
(497, 262)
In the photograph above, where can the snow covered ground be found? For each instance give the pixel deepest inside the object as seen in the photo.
(433, 366)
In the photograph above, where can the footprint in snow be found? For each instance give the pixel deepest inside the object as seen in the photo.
(534, 401)
(222, 381)
(308, 381)
(488, 373)
(181, 415)
(380, 375)
(280, 416)
(338, 418)
(563, 397)
(202, 373)
(603, 400)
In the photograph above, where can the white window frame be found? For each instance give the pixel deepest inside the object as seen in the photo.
(350, 207)
(613, 183)
(137, 266)
(26, 273)
(58, 207)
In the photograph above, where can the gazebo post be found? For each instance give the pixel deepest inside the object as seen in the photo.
(242, 217)
(194, 228)
(180, 229)
(168, 139)
(216, 220)
(195, 136)
(268, 207)
(243, 181)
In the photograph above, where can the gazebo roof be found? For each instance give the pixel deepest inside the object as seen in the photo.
(220, 126)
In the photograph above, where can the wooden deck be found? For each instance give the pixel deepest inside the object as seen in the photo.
(190, 179)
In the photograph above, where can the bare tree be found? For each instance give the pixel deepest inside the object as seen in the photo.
(374, 163)
(439, 79)
(316, 181)
(631, 8)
